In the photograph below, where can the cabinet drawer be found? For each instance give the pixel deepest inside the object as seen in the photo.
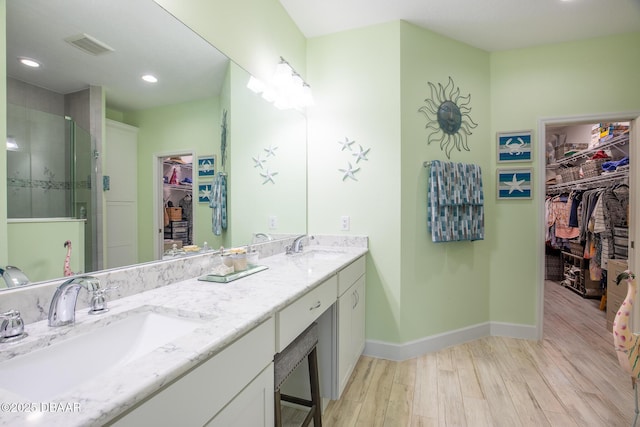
(295, 318)
(348, 275)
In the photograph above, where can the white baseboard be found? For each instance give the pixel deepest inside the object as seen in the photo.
(391, 351)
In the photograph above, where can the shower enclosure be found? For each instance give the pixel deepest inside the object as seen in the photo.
(50, 170)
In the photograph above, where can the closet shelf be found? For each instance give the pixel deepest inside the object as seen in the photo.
(176, 163)
(179, 187)
(586, 183)
(584, 154)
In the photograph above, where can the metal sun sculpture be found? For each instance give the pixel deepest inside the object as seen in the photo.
(448, 116)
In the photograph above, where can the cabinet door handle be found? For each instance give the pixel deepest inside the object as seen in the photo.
(356, 299)
(317, 305)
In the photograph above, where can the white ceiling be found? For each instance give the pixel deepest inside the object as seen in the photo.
(491, 25)
(145, 39)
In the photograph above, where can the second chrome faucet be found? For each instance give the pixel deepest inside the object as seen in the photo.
(62, 310)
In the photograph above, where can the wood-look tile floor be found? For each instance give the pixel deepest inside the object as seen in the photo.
(570, 378)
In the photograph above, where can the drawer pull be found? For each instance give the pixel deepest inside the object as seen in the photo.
(317, 305)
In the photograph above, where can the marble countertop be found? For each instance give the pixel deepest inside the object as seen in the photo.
(227, 311)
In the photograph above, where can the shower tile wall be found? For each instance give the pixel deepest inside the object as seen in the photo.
(37, 182)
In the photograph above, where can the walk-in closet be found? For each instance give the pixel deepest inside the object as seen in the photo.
(178, 201)
(587, 213)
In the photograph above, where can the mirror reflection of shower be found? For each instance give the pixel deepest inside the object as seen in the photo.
(50, 171)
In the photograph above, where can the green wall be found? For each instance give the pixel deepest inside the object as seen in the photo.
(37, 247)
(369, 84)
(445, 286)
(189, 127)
(355, 77)
(254, 126)
(588, 77)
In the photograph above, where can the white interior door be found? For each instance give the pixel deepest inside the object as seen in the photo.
(121, 197)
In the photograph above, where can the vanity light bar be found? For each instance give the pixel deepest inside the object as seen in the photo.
(287, 89)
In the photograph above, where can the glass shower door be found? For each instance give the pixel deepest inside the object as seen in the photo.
(83, 181)
(38, 176)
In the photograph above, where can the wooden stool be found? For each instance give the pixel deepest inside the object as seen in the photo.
(285, 362)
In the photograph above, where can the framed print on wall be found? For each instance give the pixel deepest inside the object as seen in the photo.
(514, 146)
(206, 166)
(516, 183)
(204, 191)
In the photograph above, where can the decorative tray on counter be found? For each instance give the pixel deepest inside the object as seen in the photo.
(232, 276)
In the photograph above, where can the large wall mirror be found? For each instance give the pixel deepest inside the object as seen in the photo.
(92, 56)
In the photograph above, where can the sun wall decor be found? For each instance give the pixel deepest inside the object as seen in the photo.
(448, 117)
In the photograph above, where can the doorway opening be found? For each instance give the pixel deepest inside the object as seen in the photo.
(585, 242)
(175, 202)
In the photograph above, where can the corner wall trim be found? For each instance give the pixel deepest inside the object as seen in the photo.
(397, 352)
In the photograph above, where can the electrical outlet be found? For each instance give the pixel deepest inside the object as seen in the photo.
(345, 223)
(273, 222)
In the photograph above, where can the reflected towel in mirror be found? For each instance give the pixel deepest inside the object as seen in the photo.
(219, 204)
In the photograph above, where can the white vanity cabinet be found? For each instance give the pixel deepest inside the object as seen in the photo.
(351, 319)
(234, 387)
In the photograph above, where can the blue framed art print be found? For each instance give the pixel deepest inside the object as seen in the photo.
(206, 166)
(515, 183)
(204, 192)
(514, 146)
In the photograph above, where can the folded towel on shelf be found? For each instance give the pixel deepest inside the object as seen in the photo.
(455, 202)
(613, 165)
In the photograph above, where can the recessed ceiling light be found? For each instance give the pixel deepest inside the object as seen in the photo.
(149, 78)
(29, 62)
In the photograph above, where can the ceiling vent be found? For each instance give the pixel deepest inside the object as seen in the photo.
(88, 44)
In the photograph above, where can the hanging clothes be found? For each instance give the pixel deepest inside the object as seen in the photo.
(575, 198)
(455, 202)
(186, 203)
(560, 211)
(218, 203)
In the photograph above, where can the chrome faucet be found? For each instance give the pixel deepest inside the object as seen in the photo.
(62, 310)
(11, 327)
(264, 235)
(296, 246)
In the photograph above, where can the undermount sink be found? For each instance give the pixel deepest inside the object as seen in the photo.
(45, 373)
(321, 254)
